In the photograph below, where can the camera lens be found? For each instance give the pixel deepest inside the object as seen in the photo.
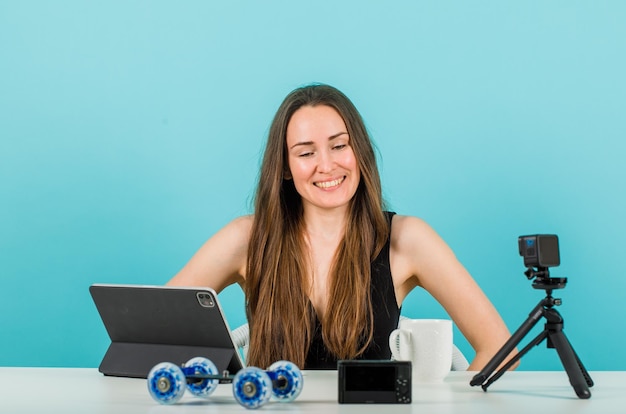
(205, 300)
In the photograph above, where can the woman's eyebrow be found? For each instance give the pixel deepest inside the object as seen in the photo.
(330, 138)
(337, 135)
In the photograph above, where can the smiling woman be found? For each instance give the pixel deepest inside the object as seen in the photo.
(324, 267)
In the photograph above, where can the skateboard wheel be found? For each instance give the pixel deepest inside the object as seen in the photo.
(288, 383)
(202, 387)
(252, 387)
(166, 383)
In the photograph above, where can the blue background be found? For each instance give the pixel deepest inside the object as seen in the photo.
(131, 131)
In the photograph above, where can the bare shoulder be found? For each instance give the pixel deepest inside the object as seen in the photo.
(416, 252)
(233, 239)
(221, 260)
(240, 226)
(401, 222)
(407, 231)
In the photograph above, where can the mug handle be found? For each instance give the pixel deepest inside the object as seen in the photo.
(400, 344)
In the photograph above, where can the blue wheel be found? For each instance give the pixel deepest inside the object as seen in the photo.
(252, 387)
(202, 366)
(288, 381)
(166, 383)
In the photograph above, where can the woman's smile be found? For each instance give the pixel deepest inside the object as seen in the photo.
(328, 185)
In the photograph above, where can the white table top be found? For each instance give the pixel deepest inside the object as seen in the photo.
(85, 390)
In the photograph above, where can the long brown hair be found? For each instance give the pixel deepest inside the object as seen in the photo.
(280, 314)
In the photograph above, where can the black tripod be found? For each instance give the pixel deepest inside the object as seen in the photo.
(578, 376)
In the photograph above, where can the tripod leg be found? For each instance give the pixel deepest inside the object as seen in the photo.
(571, 363)
(520, 354)
(509, 345)
(588, 378)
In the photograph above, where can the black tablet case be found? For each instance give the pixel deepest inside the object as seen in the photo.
(152, 324)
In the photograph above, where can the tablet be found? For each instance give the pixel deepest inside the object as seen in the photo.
(152, 324)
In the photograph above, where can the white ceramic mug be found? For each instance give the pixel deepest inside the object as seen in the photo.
(427, 343)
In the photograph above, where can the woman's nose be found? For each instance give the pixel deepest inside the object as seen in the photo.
(325, 161)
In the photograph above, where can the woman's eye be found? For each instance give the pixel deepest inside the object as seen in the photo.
(339, 147)
(305, 154)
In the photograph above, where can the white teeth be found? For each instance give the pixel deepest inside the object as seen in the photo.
(328, 184)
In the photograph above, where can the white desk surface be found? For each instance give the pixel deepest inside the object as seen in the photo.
(85, 390)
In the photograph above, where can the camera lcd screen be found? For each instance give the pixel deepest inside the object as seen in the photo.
(370, 378)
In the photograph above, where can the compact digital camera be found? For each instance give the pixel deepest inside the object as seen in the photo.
(374, 382)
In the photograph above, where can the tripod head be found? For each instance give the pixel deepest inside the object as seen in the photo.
(547, 283)
(543, 279)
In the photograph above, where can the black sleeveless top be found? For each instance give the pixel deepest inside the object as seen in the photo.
(385, 312)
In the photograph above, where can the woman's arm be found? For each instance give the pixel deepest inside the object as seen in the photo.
(422, 258)
(221, 261)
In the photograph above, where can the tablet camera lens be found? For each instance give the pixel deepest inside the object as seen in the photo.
(205, 300)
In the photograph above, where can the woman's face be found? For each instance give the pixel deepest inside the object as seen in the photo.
(321, 161)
